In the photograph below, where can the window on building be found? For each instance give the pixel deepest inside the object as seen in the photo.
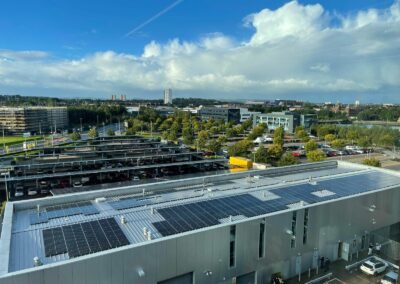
(232, 246)
(293, 238)
(306, 216)
(261, 240)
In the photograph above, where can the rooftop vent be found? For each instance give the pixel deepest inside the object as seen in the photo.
(36, 261)
(123, 220)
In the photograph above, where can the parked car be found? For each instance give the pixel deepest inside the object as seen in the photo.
(390, 278)
(32, 191)
(135, 178)
(19, 190)
(373, 266)
(77, 184)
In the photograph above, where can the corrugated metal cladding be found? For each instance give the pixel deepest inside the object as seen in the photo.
(205, 253)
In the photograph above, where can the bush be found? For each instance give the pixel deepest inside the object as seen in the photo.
(373, 162)
(315, 156)
(288, 159)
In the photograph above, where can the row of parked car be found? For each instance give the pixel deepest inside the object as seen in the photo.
(329, 152)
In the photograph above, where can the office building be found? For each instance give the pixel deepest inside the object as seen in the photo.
(245, 114)
(167, 96)
(19, 120)
(288, 120)
(220, 113)
(235, 231)
(307, 120)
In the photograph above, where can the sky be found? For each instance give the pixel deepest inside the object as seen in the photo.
(226, 49)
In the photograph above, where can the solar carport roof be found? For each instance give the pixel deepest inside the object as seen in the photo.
(71, 229)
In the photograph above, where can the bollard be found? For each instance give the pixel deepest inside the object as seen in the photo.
(309, 273)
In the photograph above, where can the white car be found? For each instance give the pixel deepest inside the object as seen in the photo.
(77, 184)
(390, 278)
(373, 266)
(18, 193)
(135, 178)
(32, 191)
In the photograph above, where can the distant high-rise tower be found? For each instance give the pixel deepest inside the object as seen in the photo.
(123, 98)
(113, 97)
(167, 96)
(357, 103)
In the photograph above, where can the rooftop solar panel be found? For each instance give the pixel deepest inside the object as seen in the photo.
(84, 238)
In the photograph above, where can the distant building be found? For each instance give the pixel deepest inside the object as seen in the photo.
(307, 120)
(133, 109)
(220, 113)
(164, 110)
(167, 96)
(19, 120)
(245, 114)
(288, 120)
(113, 97)
(353, 111)
(123, 98)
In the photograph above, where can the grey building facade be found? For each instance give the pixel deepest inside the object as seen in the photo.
(238, 250)
(288, 120)
(220, 113)
(19, 120)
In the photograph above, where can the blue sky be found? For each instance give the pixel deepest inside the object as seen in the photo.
(91, 36)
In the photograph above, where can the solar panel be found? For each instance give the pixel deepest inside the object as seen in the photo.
(129, 202)
(84, 238)
(59, 211)
(182, 218)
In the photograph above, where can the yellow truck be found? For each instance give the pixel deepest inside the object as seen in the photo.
(240, 162)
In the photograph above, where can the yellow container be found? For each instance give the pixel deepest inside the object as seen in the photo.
(240, 162)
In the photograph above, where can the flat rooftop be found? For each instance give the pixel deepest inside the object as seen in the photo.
(58, 229)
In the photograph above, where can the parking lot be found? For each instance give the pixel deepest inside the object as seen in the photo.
(101, 164)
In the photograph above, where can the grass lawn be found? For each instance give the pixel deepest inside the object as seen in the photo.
(10, 140)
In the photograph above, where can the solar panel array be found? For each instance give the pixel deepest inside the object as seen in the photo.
(126, 203)
(86, 208)
(192, 216)
(83, 238)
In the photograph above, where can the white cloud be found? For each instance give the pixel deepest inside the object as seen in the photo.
(294, 49)
(291, 20)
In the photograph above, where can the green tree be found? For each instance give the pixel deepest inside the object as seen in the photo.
(364, 142)
(288, 159)
(329, 137)
(75, 136)
(222, 139)
(310, 146)
(261, 155)
(373, 162)
(240, 148)
(279, 135)
(257, 131)
(110, 132)
(187, 135)
(301, 133)
(315, 156)
(275, 151)
(93, 133)
(387, 140)
(247, 123)
(173, 131)
(202, 138)
(338, 143)
(214, 146)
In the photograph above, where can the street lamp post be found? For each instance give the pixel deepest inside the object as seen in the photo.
(81, 124)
